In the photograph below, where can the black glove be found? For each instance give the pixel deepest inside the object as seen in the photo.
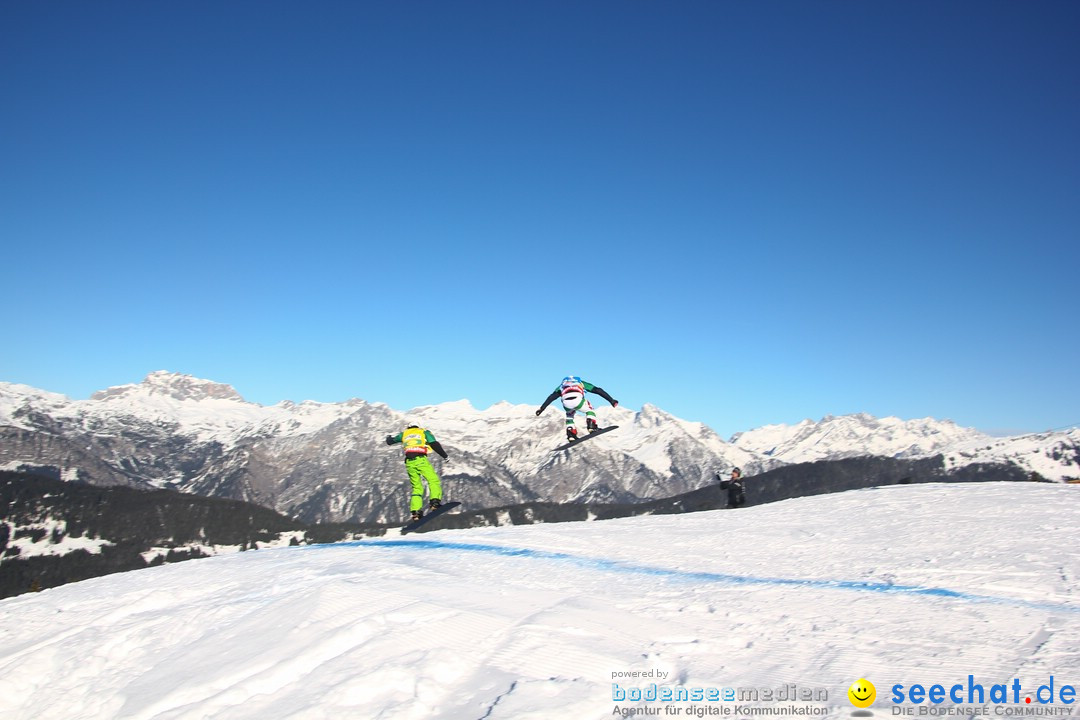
(538, 412)
(389, 439)
(614, 403)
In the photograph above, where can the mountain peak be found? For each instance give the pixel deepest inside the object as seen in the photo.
(862, 433)
(175, 386)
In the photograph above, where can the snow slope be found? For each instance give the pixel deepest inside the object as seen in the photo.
(905, 584)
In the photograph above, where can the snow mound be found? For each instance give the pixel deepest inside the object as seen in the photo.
(905, 584)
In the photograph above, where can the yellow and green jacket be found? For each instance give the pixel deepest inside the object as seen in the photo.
(418, 442)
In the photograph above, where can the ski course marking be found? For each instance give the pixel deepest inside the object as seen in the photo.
(615, 566)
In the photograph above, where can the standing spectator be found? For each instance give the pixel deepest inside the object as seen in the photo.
(736, 489)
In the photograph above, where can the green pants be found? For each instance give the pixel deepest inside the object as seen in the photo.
(420, 469)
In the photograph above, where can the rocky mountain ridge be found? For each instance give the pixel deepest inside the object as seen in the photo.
(326, 462)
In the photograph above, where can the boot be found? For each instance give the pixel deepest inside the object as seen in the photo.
(571, 434)
(434, 504)
(591, 425)
(417, 514)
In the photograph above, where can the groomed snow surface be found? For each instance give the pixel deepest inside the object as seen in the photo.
(924, 584)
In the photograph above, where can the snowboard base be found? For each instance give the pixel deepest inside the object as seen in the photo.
(429, 516)
(583, 438)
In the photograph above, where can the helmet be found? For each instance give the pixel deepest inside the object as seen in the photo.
(410, 427)
(736, 471)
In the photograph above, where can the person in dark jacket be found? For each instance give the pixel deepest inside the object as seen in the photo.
(736, 488)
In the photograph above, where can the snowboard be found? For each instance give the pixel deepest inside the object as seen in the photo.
(429, 516)
(583, 438)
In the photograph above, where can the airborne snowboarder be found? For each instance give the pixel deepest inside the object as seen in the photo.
(572, 392)
(418, 444)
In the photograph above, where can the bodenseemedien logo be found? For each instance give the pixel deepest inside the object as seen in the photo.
(698, 701)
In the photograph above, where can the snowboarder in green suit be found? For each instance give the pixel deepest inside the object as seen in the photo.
(418, 444)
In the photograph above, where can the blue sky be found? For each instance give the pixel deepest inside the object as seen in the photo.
(741, 212)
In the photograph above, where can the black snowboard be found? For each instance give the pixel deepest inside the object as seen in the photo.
(583, 438)
(430, 516)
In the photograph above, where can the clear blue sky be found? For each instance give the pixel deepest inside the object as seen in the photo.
(741, 212)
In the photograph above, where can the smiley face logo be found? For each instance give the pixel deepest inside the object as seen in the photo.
(862, 693)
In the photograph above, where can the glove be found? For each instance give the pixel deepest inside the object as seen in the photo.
(389, 439)
(538, 413)
(614, 403)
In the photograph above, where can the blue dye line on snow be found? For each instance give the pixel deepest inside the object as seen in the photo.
(616, 566)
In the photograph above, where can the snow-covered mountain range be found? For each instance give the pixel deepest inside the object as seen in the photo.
(325, 462)
(1053, 455)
